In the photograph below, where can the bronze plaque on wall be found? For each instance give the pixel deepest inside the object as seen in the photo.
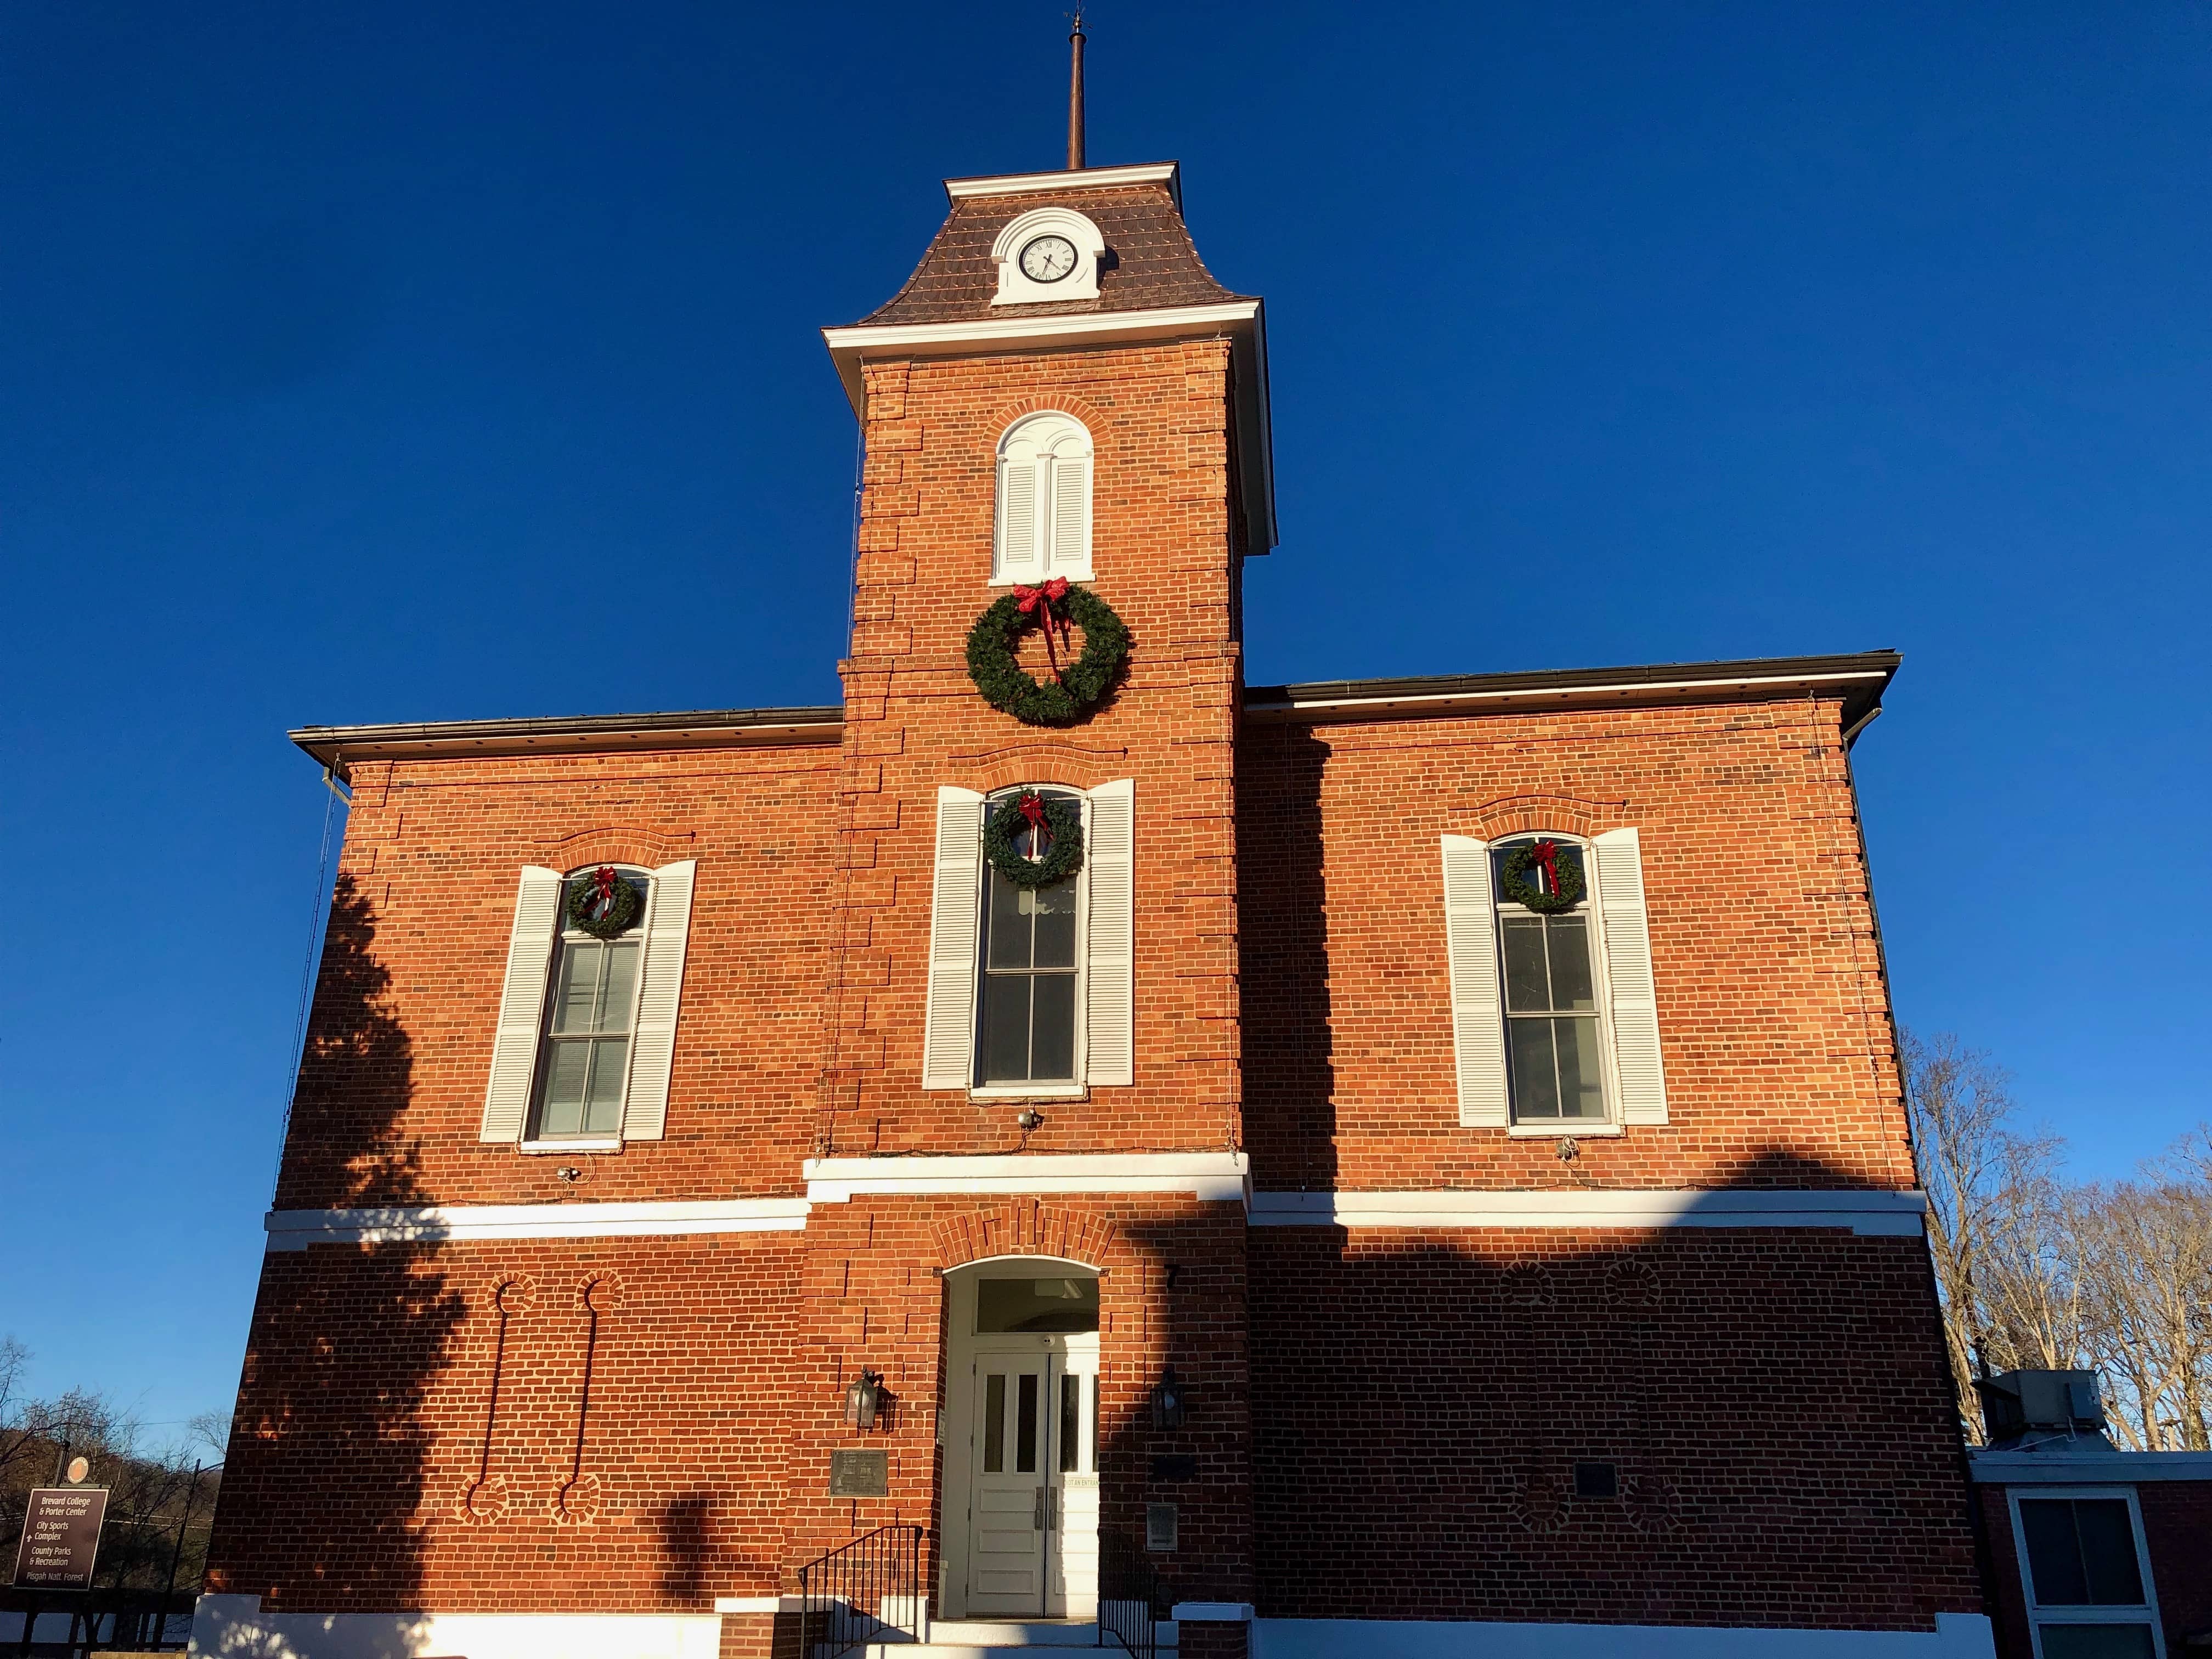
(860, 1474)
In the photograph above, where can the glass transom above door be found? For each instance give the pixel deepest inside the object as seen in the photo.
(1036, 1304)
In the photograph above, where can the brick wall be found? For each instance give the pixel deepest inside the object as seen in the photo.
(1773, 1018)
(1774, 1404)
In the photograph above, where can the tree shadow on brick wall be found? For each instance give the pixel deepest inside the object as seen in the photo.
(697, 1551)
(1289, 1071)
(1768, 1406)
(323, 1503)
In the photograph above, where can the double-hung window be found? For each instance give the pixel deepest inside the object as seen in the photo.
(587, 1034)
(2083, 1564)
(1554, 1019)
(1032, 989)
(583, 1069)
(1030, 970)
(1554, 1060)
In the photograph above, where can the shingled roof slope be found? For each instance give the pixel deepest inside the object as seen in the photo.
(1150, 260)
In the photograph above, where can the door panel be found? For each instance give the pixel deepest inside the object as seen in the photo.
(1007, 1496)
(1071, 1581)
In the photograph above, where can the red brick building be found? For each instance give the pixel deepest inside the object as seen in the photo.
(1431, 1179)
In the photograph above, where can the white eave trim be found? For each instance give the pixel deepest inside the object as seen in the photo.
(1025, 183)
(1878, 1214)
(1213, 1177)
(2062, 1465)
(1440, 702)
(296, 1230)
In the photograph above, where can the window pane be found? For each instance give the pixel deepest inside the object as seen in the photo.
(609, 1066)
(2054, 1562)
(1571, 986)
(1070, 1421)
(568, 1075)
(1005, 1027)
(1535, 1089)
(1054, 910)
(1025, 1426)
(1009, 924)
(576, 996)
(1036, 1304)
(994, 1423)
(2108, 1552)
(1581, 1074)
(620, 989)
(1051, 1041)
(1525, 988)
(2097, 1642)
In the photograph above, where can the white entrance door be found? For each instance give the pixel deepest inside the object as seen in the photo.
(1033, 1483)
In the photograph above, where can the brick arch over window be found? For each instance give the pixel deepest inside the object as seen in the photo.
(1024, 1227)
(1513, 815)
(1040, 763)
(1058, 404)
(613, 844)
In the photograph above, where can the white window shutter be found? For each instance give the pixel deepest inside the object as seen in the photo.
(1635, 1003)
(1018, 516)
(521, 1005)
(1110, 998)
(948, 1040)
(1070, 515)
(1478, 1017)
(660, 989)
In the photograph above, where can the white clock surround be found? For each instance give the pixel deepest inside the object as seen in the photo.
(1016, 288)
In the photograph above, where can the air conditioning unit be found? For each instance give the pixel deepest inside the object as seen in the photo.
(2019, 1403)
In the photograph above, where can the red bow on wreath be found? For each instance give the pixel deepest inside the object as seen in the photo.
(1040, 601)
(1032, 806)
(604, 878)
(1547, 853)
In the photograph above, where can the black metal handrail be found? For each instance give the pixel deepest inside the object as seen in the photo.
(869, 1591)
(1132, 1595)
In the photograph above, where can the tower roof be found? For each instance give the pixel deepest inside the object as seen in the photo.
(1153, 262)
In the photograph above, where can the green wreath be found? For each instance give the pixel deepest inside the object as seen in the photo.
(603, 887)
(1062, 824)
(1077, 689)
(1565, 875)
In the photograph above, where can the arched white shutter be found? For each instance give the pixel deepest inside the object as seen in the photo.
(948, 1040)
(1018, 516)
(1478, 1020)
(660, 988)
(1110, 996)
(1634, 1002)
(1071, 516)
(521, 1005)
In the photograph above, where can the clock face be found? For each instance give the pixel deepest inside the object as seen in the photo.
(1047, 258)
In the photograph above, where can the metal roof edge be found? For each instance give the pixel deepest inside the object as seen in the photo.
(572, 734)
(1860, 677)
(1028, 184)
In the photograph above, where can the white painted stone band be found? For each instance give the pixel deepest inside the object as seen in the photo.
(1956, 1636)
(234, 1627)
(2059, 1466)
(1885, 1213)
(1213, 1177)
(294, 1230)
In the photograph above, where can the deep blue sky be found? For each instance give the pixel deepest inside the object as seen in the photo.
(357, 355)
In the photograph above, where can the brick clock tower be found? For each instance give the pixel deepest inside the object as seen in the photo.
(1067, 1147)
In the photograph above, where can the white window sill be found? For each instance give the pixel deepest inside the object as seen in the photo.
(1565, 1129)
(549, 1148)
(1026, 581)
(1033, 1092)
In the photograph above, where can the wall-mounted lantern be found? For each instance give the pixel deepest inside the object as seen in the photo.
(865, 1400)
(1168, 1409)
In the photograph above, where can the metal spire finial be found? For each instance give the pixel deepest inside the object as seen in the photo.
(1075, 92)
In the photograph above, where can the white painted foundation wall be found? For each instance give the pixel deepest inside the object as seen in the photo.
(235, 1627)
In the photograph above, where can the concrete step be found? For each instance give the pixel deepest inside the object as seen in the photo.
(994, 1638)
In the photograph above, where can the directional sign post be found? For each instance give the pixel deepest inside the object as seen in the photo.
(61, 1538)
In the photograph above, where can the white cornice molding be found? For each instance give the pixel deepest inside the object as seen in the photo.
(1213, 1177)
(1877, 1213)
(1025, 183)
(296, 1230)
(2063, 1467)
(1624, 689)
